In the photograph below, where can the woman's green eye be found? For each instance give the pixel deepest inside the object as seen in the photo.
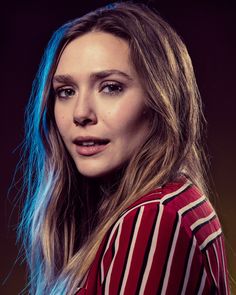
(112, 88)
(65, 92)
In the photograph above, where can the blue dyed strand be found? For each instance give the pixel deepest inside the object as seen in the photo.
(38, 181)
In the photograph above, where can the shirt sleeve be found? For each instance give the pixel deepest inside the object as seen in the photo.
(150, 252)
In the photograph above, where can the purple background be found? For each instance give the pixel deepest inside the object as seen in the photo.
(207, 27)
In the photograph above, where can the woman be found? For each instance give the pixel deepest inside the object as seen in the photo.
(115, 179)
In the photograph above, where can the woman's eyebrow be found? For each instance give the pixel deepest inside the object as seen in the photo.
(65, 79)
(106, 73)
(68, 79)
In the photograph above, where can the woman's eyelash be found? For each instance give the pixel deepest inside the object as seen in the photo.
(108, 88)
(112, 88)
(64, 92)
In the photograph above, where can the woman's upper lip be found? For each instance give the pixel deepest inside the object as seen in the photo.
(80, 139)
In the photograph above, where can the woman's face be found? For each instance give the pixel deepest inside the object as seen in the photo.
(99, 105)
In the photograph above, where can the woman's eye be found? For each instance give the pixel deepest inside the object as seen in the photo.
(112, 88)
(64, 92)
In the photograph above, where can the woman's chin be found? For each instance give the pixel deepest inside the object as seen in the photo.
(103, 175)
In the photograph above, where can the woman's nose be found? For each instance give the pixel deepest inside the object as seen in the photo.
(84, 111)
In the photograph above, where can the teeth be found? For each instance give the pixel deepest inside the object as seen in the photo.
(88, 143)
(92, 143)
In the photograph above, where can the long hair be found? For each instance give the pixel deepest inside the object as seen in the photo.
(62, 226)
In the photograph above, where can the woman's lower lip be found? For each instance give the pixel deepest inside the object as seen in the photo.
(90, 150)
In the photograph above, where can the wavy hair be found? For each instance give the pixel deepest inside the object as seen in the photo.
(62, 225)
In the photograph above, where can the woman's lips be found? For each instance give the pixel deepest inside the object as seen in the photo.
(90, 150)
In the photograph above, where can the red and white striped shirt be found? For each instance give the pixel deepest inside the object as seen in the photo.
(168, 242)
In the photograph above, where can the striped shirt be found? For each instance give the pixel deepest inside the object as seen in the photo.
(167, 242)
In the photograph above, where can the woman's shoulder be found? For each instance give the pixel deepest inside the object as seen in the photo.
(178, 204)
(174, 197)
(169, 228)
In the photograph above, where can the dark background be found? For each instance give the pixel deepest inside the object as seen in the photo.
(209, 30)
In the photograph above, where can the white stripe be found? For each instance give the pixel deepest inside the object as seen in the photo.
(107, 247)
(191, 205)
(209, 262)
(176, 235)
(152, 250)
(102, 271)
(210, 238)
(190, 259)
(182, 188)
(202, 285)
(131, 250)
(107, 284)
(218, 265)
(224, 269)
(167, 273)
(202, 220)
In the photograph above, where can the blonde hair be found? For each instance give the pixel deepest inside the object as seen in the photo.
(60, 236)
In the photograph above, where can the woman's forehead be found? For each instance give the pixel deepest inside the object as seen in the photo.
(96, 51)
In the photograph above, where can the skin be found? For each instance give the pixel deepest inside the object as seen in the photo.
(110, 105)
